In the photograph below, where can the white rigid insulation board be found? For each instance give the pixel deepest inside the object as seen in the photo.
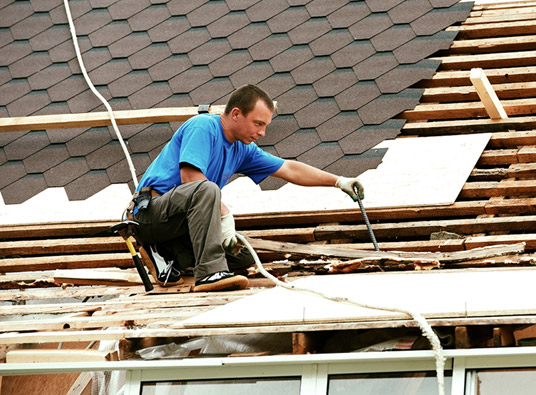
(420, 171)
(414, 172)
(435, 294)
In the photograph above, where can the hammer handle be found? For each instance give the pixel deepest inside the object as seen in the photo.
(139, 266)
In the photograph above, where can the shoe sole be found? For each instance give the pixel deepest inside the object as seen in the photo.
(228, 284)
(148, 263)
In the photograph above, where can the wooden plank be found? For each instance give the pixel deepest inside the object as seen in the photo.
(481, 241)
(410, 246)
(522, 170)
(527, 154)
(122, 304)
(512, 206)
(174, 329)
(496, 17)
(493, 60)
(436, 128)
(498, 157)
(486, 175)
(449, 79)
(97, 277)
(487, 95)
(63, 246)
(493, 44)
(292, 235)
(92, 119)
(512, 139)
(120, 260)
(51, 356)
(457, 209)
(497, 29)
(503, 188)
(310, 250)
(503, 5)
(425, 228)
(69, 292)
(65, 229)
(468, 93)
(434, 111)
(79, 386)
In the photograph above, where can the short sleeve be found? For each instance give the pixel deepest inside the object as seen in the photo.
(259, 164)
(196, 147)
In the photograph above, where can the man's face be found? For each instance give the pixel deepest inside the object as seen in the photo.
(252, 126)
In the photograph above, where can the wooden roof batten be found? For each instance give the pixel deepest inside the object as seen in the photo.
(493, 213)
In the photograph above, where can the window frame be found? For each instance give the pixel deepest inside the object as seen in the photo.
(313, 369)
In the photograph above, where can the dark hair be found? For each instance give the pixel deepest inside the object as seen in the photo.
(246, 97)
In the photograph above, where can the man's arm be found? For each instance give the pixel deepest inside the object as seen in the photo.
(303, 174)
(191, 173)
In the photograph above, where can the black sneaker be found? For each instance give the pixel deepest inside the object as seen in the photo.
(221, 281)
(161, 266)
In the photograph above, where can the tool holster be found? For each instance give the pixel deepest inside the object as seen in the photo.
(140, 200)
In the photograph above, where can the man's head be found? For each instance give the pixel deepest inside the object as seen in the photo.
(245, 98)
(248, 112)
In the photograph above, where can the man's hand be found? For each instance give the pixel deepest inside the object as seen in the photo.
(349, 185)
(228, 233)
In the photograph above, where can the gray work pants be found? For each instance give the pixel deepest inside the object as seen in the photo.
(187, 222)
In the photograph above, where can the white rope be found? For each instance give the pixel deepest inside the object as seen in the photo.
(99, 96)
(421, 321)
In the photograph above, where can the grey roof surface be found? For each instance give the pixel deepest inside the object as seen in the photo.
(340, 71)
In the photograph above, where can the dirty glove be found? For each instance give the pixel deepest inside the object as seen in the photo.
(350, 185)
(228, 233)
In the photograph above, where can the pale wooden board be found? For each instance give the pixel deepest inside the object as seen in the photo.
(423, 171)
(435, 294)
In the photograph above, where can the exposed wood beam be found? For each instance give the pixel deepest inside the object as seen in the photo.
(494, 60)
(499, 29)
(465, 126)
(468, 93)
(493, 44)
(444, 257)
(487, 95)
(121, 260)
(449, 79)
(500, 16)
(92, 119)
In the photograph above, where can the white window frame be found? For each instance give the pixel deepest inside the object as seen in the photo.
(314, 370)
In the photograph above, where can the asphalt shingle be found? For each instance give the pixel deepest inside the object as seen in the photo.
(340, 71)
(249, 35)
(370, 136)
(339, 126)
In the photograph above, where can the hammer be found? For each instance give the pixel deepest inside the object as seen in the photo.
(124, 230)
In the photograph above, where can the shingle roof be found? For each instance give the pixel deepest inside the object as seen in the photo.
(340, 70)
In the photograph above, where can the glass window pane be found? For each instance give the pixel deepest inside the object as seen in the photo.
(411, 383)
(270, 386)
(506, 381)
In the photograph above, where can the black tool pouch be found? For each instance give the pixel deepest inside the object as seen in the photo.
(142, 198)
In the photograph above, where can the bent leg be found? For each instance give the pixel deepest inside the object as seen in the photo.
(194, 210)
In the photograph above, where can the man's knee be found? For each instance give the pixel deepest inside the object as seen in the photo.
(208, 191)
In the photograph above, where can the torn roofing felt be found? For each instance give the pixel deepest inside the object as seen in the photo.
(339, 70)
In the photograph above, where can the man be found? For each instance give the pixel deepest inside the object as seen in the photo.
(182, 221)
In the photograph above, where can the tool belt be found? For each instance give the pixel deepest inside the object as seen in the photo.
(140, 200)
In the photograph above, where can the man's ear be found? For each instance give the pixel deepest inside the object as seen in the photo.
(235, 112)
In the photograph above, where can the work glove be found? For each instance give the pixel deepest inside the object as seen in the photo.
(228, 233)
(350, 186)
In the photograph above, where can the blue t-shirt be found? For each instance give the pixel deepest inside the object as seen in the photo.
(200, 142)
